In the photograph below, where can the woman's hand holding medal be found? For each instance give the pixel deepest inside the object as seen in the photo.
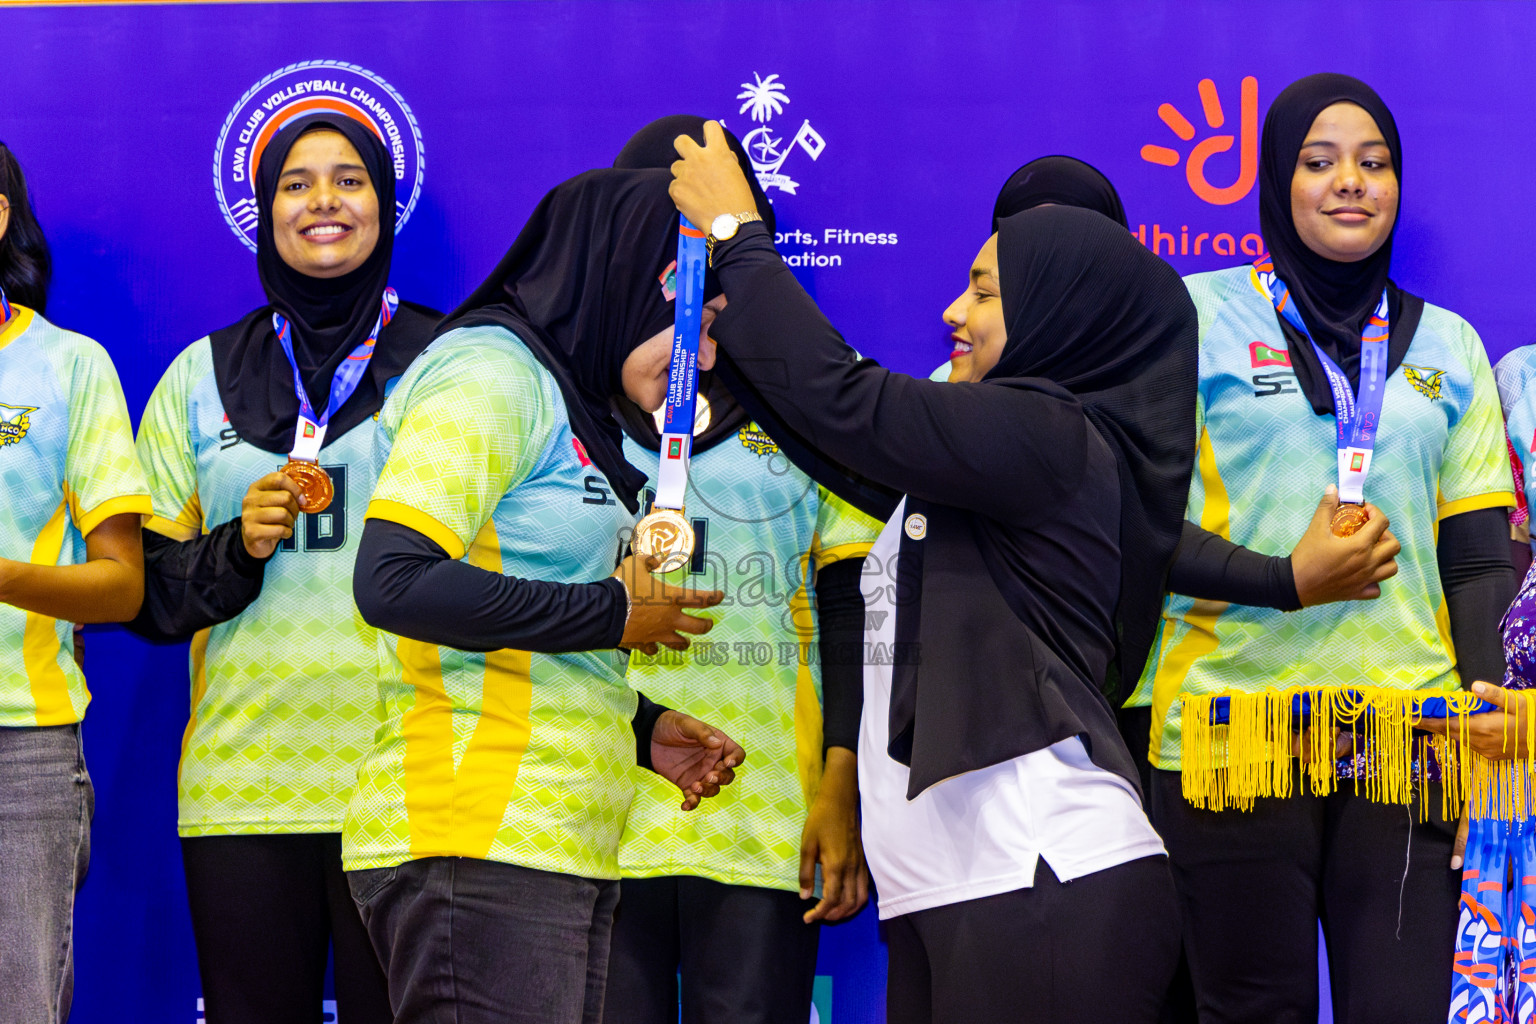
(1328, 567)
(656, 616)
(267, 514)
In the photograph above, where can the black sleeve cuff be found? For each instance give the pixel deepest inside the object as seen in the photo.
(647, 714)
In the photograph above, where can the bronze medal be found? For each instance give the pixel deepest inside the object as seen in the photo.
(1348, 520)
(667, 535)
(315, 487)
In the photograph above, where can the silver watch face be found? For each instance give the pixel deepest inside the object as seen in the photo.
(724, 226)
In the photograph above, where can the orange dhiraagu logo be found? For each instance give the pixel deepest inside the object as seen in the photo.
(1194, 166)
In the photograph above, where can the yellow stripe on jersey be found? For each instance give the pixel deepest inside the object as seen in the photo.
(21, 319)
(1498, 499)
(415, 519)
(458, 812)
(199, 689)
(809, 724)
(129, 503)
(1200, 637)
(40, 645)
(495, 752)
(840, 553)
(187, 525)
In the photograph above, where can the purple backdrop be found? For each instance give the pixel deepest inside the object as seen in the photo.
(896, 122)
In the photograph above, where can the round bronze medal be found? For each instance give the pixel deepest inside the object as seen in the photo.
(1348, 520)
(667, 535)
(315, 487)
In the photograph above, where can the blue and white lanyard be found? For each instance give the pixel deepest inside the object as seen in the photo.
(309, 435)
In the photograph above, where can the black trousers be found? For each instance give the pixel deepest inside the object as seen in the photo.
(744, 954)
(1254, 884)
(266, 912)
(1098, 948)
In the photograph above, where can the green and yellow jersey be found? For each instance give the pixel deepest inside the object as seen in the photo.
(285, 695)
(510, 756)
(66, 465)
(762, 529)
(1264, 459)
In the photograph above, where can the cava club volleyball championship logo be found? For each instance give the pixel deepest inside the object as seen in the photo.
(310, 87)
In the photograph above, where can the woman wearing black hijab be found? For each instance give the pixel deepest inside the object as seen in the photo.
(745, 872)
(1044, 181)
(482, 841)
(1261, 855)
(1038, 510)
(284, 672)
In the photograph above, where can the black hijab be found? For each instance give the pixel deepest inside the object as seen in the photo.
(329, 317)
(1090, 309)
(1334, 298)
(651, 148)
(581, 286)
(1061, 181)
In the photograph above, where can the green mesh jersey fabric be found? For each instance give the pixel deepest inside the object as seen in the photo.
(1264, 459)
(508, 756)
(761, 529)
(284, 698)
(66, 465)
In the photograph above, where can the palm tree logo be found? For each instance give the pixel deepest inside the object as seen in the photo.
(14, 422)
(762, 99)
(765, 97)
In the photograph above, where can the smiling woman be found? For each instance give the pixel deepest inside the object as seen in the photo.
(285, 690)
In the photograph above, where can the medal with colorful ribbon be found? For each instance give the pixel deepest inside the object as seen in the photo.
(315, 487)
(665, 532)
(1357, 415)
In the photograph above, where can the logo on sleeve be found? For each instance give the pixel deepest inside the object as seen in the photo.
(14, 423)
(1426, 380)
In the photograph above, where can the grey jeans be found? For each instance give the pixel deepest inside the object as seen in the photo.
(467, 941)
(46, 802)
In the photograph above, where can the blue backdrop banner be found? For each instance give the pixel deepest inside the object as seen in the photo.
(880, 130)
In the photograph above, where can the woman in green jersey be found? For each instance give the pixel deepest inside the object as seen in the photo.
(69, 552)
(482, 841)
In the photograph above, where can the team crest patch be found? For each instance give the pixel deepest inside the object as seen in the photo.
(15, 421)
(757, 442)
(1426, 380)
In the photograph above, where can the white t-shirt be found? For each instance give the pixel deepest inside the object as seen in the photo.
(981, 833)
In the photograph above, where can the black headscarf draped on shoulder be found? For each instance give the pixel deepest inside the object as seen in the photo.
(1061, 181)
(651, 148)
(582, 287)
(1334, 298)
(1090, 309)
(329, 317)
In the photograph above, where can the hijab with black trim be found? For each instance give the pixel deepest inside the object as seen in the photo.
(1059, 181)
(329, 317)
(652, 148)
(582, 286)
(1334, 298)
(1090, 309)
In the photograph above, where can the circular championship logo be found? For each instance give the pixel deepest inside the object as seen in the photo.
(310, 87)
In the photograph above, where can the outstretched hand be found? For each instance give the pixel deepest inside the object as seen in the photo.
(656, 615)
(694, 756)
(1497, 735)
(708, 180)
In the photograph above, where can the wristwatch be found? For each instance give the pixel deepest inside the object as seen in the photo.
(724, 227)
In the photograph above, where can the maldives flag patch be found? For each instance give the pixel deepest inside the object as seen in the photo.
(1261, 354)
(675, 448)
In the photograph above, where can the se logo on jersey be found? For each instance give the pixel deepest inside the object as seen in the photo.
(1426, 380)
(14, 422)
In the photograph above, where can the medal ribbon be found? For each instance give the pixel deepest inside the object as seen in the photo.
(309, 434)
(5, 308)
(683, 376)
(1357, 416)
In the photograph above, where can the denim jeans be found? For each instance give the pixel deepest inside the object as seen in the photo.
(467, 941)
(46, 803)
